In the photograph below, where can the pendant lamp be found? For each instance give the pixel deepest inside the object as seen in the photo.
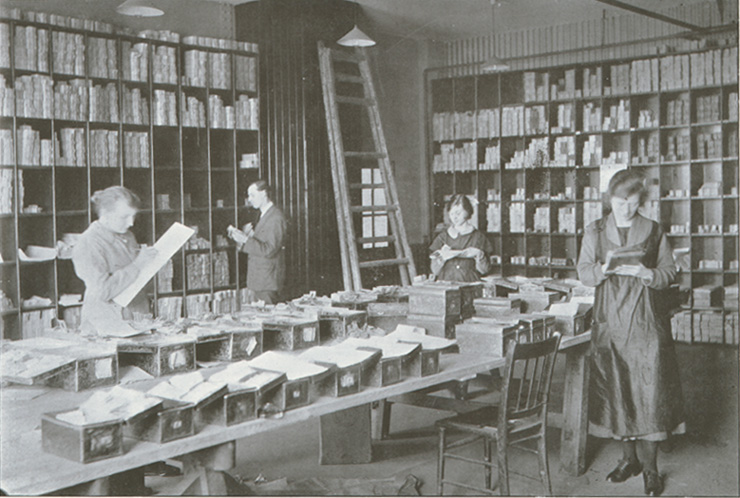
(494, 64)
(356, 37)
(139, 8)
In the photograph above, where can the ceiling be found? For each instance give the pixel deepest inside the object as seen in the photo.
(443, 20)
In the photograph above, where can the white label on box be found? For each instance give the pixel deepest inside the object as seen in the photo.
(309, 334)
(347, 380)
(177, 359)
(251, 345)
(104, 368)
(177, 424)
(296, 393)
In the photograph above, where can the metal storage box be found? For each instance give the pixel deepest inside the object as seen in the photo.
(81, 443)
(386, 372)
(532, 302)
(234, 407)
(496, 306)
(435, 299)
(290, 394)
(211, 344)
(387, 316)
(170, 421)
(297, 389)
(337, 322)
(468, 293)
(434, 325)
(90, 364)
(487, 337)
(572, 324)
(246, 342)
(158, 355)
(289, 333)
(348, 366)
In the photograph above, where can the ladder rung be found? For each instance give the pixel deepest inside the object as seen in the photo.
(341, 55)
(384, 262)
(372, 240)
(368, 154)
(366, 185)
(348, 78)
(364, 209)
(343, 99)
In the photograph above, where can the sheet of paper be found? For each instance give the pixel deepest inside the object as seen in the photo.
(167, 245)
(115, 327)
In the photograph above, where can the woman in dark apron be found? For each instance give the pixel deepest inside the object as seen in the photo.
(635, 393)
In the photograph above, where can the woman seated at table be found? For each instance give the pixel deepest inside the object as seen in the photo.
(460, 253)
(107, 258)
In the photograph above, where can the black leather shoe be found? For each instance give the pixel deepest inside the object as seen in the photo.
(653, 483)
(624, 470)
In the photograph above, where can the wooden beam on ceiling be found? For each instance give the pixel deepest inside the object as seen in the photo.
(654, 15)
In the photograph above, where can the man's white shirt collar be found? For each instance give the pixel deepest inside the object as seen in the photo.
(264, 208)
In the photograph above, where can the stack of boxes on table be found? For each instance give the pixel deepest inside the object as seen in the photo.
(255, 362)
(524, 310)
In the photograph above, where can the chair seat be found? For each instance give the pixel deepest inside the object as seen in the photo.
(484, 422)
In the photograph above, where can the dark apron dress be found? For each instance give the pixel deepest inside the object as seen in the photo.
(635, 389)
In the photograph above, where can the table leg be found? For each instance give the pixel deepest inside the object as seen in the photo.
(575, 411)
(128, 483)
(205, 473)
(345, 436)
(381, 419)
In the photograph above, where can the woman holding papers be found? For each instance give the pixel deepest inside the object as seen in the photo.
(635, 393)
(460, 253)
(108, 259)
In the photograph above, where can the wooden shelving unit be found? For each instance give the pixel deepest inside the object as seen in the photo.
(176, 122)
(532, 146)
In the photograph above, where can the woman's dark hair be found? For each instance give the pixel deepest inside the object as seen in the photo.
(263, 186)
(462, 201)
(627, 182)
(104, 200)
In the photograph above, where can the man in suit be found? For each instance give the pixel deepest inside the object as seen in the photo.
(265, 245)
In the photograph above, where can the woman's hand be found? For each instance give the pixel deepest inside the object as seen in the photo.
(146, 255)
(447, 253)
(472, 252)
(638, 271)
(605, 266)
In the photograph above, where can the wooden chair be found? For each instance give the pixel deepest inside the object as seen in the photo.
(520, 416)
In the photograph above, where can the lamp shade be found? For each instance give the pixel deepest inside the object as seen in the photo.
(356, 38)
(493, 65)
(139, 8)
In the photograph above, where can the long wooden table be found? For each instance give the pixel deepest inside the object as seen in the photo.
(26, 470)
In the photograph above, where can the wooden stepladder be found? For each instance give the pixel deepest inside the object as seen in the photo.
(364, 187)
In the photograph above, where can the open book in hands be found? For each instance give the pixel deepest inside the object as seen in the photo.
(624, 256)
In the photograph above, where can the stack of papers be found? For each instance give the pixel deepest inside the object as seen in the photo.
(292, 366)
(336, 355)
(118, 403)
(416, 335)
(188, 388)
(390, 347)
